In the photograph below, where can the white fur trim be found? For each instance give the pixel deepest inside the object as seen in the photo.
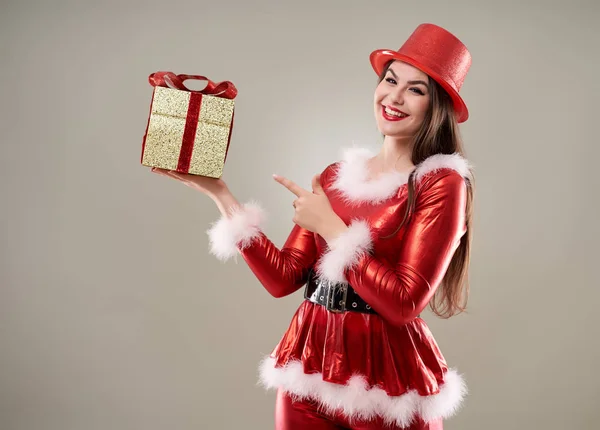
(351, 179)
(352, 172)
(357, 401)
(446, 402)
(345, 251)
(237, 230)
(440, 161)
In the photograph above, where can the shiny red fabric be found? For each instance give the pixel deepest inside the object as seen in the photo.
(300, 415)
(393, 349)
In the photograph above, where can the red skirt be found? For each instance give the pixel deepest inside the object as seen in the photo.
(360, 365)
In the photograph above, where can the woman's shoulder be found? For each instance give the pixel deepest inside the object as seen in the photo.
(329, 172)
(449, 170)
(443, 178)
(449, 164)
(350, 164)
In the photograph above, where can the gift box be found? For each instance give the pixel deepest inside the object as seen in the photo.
(188, 131)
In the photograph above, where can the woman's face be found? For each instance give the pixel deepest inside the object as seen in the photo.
(401, 100)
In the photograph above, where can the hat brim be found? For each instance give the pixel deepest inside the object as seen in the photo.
(380, 57)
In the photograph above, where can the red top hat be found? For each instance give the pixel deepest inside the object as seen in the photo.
(439, 54)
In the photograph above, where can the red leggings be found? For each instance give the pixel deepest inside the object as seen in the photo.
(300, 415)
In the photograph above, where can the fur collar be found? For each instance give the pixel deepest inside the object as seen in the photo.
(351, 173)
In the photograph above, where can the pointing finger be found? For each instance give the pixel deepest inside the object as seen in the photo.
(293, 187)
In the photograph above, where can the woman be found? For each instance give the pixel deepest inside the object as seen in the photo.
(377, 239)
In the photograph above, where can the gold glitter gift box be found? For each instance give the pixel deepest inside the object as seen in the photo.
(188, 130)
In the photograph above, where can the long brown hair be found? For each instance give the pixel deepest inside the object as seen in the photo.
(439, 134)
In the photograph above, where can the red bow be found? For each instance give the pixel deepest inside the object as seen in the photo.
(223, 89)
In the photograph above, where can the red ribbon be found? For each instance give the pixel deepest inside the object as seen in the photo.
(223, 89)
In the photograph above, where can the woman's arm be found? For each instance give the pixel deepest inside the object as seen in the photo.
(239, 231)
(400, 291)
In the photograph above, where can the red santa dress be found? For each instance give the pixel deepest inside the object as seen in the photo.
(385, 363)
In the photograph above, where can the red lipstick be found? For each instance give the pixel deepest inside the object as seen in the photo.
(392, 117)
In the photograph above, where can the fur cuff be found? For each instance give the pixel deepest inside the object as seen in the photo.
(345, 251)
(238, 230)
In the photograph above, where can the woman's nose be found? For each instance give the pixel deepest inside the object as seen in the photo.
(397, 95)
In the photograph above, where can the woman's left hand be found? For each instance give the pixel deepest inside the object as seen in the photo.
(313, 210)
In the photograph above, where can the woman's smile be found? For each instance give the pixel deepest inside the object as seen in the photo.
(393, 114)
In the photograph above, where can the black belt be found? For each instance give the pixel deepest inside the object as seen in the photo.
(334, 296)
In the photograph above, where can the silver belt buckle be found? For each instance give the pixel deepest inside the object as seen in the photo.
(339, 307)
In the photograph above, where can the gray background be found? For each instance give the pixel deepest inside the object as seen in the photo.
(113, 314)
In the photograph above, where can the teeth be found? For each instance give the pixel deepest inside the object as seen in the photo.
(391, 112)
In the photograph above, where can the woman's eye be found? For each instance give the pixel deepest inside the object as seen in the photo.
(390, 80)
(418, 91)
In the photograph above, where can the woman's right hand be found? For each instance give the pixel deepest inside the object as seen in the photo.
(214, 188)
(209, 186)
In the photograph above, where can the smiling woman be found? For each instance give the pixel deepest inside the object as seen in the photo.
(402, 100)
(377, 239)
